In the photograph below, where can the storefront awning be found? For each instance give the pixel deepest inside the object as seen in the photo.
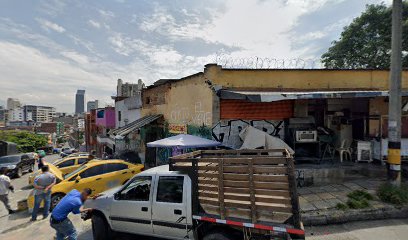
(271, 96)
(141, 122)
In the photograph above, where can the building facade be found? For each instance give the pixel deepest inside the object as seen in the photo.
(38, 113)
(219, 103)
(13, 103)
(80, 101)
(90, 105)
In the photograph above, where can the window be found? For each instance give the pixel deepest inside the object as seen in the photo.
(119, 116)
(170, 189)
(67, 163)
(137, 190)
(82, 160)
(112, 167)
(93, 171)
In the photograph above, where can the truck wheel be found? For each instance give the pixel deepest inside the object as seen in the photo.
(100, 228)
(217, 236)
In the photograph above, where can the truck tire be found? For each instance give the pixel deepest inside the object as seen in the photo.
(218, 236)
(100, 228)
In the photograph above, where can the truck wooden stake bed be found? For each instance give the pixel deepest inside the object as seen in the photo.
(209, 195)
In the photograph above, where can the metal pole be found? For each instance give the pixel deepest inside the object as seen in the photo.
(394, 108)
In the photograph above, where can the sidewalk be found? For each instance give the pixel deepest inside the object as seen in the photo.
(318, 204)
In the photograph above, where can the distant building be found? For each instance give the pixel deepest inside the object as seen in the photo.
(13, 103)
(129, 89)
(39, 113)
(16, 114)
(80, 101)
(3, 113)
(67, 120)
(90, 105)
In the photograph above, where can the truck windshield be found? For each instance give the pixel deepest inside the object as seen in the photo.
(10, 159)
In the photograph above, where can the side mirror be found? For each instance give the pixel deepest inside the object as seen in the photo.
(77, 179)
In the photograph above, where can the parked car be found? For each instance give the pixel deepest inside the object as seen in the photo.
(17, 164)
(67, 151)
(65, 165)
(96, 175)
(56, 150)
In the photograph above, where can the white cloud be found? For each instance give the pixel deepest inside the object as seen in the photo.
(94, 24)
(106, 14)
(47, 25)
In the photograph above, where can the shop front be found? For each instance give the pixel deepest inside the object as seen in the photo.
(329, 126)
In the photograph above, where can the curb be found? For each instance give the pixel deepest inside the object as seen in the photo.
(337, 216)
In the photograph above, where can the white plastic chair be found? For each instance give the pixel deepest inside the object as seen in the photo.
(344, 149)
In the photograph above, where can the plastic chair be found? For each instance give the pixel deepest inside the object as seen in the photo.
(344, 149)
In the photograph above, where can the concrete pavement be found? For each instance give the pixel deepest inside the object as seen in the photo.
(22, 190)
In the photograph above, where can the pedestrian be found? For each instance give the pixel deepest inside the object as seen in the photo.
(5, 187)
(43, 184)
(40, 161)
(72, 202)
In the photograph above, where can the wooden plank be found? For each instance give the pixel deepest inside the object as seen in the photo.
(221, 188)
(244, 177)
(246, 197)
(271, 170)
(252, 191)
(247, 205)
(271, 185)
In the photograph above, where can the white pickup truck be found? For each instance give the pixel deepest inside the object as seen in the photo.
(163, 203)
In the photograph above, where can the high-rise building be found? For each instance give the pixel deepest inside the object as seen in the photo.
(16, 114)
(129, 89)
(92, 105)
(80, 101)
(13, 103)
(39, 113)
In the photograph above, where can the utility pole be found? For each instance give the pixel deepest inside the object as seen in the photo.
(394, 108)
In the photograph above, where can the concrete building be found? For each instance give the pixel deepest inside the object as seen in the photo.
(39, 113)
(292, 104)
(13, 103)
(90, 105)
(129, 89)
(91, 131)
(16, 114)
(80, 101)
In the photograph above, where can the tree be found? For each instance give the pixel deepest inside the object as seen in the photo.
(26, 141)
(366, 42)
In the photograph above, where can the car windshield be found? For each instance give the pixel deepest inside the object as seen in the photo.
(9, 159)
(74, 172)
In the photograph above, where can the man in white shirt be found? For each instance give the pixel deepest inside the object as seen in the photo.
(5, 187)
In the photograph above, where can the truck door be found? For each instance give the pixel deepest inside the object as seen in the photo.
(131, 209)
(170, 207)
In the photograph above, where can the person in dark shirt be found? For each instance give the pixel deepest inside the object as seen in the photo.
(72, 202)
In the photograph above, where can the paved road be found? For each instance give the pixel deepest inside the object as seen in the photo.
(17, 226)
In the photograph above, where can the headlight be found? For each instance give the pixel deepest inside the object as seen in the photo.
(11, 166)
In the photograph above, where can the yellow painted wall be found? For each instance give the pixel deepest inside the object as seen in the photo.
(187, 102)
(301, 79)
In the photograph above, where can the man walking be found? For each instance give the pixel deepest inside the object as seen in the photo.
(5, 187)
(59, 220)
(43, 184)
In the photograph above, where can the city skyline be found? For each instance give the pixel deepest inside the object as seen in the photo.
(150, 40)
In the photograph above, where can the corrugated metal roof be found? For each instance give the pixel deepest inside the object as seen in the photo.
(271, 96)
(141, 122)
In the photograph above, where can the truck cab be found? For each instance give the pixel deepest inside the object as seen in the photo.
(156, 202)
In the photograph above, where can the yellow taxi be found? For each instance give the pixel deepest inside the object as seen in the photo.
(96, 175)
(65, 165)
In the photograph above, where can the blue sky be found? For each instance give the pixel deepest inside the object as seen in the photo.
(49, 49)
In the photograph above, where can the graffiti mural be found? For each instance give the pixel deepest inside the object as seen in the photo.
(227, 131)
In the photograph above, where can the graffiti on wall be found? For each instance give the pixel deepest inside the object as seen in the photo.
(227, 131)
(196, 115)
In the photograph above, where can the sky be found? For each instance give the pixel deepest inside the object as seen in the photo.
(51, 48)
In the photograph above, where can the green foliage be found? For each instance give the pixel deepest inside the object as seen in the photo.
(393, 194)
(359, 195)
(358, 204)
(366, 42)
(26, 141)
(341, 206)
